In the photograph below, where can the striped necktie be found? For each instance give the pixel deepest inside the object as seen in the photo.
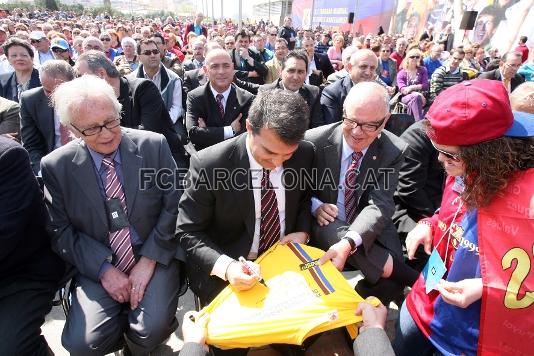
(350, 187)
(120, 239)
(270, 217)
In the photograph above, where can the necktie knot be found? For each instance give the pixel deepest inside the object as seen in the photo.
(356, 156)
(265, 179)
(220, 97)
(108, 162)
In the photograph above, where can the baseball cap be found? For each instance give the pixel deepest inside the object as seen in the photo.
(59, 43)
(37, 35)
(476, 111)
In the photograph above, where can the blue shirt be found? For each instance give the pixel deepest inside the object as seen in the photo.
(197, 29)
(101, 171)
(431, 65)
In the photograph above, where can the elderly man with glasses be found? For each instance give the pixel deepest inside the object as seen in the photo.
(357, 164)
(41, 43)
(115, 229)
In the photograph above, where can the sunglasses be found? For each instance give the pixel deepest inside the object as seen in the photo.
(454, 157)
(105, 39)
(148, 52)
(414, 57)
(59, 50)
(36, 41)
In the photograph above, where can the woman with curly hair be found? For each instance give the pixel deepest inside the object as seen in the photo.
(487, 152)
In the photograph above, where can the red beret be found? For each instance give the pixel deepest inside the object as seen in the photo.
(470, 112)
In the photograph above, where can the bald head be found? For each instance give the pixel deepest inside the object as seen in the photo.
(347, 54)
(220, 69)
(367, 97)
(217, 53)
(522, 98)
(365, 113)
(362, 66)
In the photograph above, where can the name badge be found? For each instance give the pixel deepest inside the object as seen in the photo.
(434, 270)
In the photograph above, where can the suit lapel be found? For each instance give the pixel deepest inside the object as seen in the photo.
(84, 175)
(368, 172)
(245, 197)
(332, 160)
(131, 165)
(232, 106)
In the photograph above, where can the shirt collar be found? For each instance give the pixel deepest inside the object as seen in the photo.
(98, 157)
(283, 86)
(146, 76)
(225, 93)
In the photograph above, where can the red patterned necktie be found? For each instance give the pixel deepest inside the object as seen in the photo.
(219, 99)
(270, 218)
(350, 187)
(64, 135)
(120, 239)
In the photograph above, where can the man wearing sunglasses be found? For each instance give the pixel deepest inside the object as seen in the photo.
(60, 48)
(168, 82)
(357, 165)
(41, 43)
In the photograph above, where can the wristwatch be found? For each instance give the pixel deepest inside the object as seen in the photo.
(353, 246)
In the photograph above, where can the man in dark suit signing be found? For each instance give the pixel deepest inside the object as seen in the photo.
(217, 225)
(113, 223)
(41, 130)
(293, 73)
(353, 222)
(216, 111)
(507, 72)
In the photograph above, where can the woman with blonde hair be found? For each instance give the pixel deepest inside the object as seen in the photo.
(335, 51)
(413, 83)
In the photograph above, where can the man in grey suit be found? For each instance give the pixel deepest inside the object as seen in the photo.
(41, 130)
(294, 70)
(113, 223)
(353, 222)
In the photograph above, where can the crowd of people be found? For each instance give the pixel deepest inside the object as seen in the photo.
(105, 116)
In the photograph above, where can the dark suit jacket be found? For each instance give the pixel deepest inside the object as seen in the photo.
(196, 77)
(259, 66)
(377, 179)
(7, 82)
(213, 221)
(496, 75)
(311, 94)
(78, 221)
(9, 117)
(25, 251)
(37, 125)
(421, 180)
(333, 97)
(322, 62)
(202, 104)
(143, 108)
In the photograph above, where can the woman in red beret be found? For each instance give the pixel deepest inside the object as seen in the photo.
(475, 294)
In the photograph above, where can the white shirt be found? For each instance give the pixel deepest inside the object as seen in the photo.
(228, 131)
(346, 159)
(222, 263)
(57, 131)
(311, 68)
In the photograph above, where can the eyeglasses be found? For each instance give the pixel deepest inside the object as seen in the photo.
(454, 157)
(98, 129)
(36, 41)
(148, 52)
(414, 57)
(385, 50)
(272, 34)
(105, 39)
(59, 50)
(367, 127)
